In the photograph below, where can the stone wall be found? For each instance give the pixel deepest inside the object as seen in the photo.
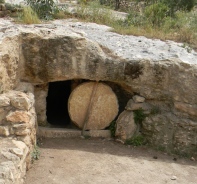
(17, 135)
(162, 125)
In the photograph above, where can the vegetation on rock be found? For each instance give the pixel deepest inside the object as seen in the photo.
(137, 140)
(162, 19)
(44, 8)
(28, 16)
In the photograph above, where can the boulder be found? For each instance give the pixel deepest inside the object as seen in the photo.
(125, 125)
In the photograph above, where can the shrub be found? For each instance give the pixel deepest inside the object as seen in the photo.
(28, 16)
(179, 5)
(35, 155)
(44, 8)
(156, 13)
(135, 19)
(139, 116)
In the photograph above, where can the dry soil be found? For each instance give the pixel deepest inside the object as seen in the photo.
(101, 161)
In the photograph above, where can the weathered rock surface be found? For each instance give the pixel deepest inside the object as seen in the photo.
(132, 106)
(126, 126)
(164, 73)
(13, 164)
(138, 99)
(167, 131)
(93, 105)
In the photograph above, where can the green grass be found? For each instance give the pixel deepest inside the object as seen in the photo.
(35, 155)
(28, 16)
(137, 140)
(112, 128)
(181, 28)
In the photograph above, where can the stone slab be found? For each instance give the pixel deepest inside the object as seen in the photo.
(70, 133)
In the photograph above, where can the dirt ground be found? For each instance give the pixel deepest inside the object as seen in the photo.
(101, 161)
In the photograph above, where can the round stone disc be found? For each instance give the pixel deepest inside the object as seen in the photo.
(104, 107)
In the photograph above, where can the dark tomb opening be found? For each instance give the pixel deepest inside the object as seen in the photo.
(57, 104)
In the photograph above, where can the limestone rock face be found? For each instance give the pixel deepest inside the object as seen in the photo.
(9, 62)
(187, 108)
(99, 109)
(126, 126)
(170, 132)
(164, 73)
(41, 92)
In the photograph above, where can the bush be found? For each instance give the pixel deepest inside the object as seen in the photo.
(179, 5)
(28, 16)
(135, 19)
(44, 8)
(156, 13)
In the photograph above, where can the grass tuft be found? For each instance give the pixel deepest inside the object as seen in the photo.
(28, 16)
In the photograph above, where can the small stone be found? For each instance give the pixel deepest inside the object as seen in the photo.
(22, 132)
(17, 152)
(173, 178)
(132, 106)
(192, 159)
(21, 102)
(155, 157)
(4, 101)
(138, 99)
(20, 126)
(4, 130)
(3, 114)
(120, 141)
(18, 117)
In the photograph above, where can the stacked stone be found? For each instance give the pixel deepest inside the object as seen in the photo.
(18, 134)
(126, 126)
